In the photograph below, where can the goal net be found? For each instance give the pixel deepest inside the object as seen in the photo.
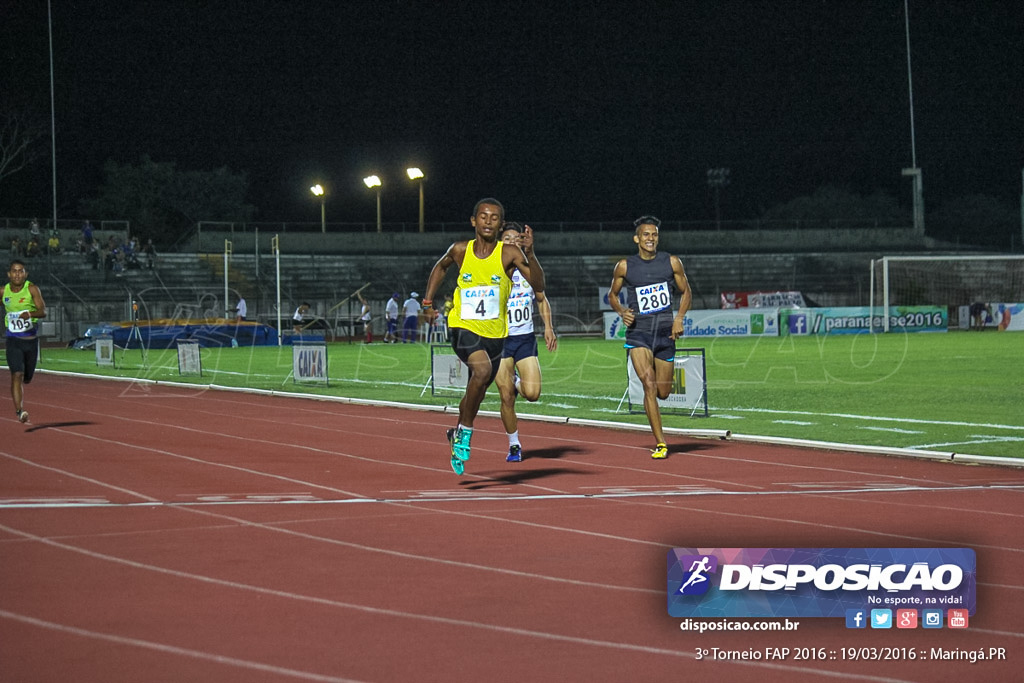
(951, 281)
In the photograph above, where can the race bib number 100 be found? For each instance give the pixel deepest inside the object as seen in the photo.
(480, 303)
(653, 298)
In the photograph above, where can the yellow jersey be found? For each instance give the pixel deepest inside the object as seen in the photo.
(481, 295)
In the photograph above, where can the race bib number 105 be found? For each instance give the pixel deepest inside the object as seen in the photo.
(15, 323)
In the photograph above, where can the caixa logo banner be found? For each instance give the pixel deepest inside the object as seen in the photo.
(817, 582)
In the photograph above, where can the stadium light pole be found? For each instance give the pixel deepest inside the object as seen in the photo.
(717, 179)
(372, 182)
(913, 171)
(417, 174)
(318, 190)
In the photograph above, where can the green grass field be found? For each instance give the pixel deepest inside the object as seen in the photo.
(961, 392)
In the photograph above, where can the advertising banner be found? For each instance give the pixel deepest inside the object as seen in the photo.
(689, 384)
(747, 322)
(447, 372)
(820, 582)
(762, 300)
(858, 319)
(309, 361)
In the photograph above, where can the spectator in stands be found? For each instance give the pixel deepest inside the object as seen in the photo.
(411, 308)
(53, 243)
(32, 249)
(93, 257)
(16, 248)
(651, 280)
(391, 319)
(34, 231)
(241, 310)
(87, 234)
(366, 318)
(299, 317)
(23, 307)
(150, 251)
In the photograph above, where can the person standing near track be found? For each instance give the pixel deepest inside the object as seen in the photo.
(411, 309)
(519, 371)
(652, 279)
(391, 319)
(365, 317)
(478, 323)
(23, 307)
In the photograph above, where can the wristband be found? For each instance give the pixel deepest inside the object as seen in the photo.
(427, 302)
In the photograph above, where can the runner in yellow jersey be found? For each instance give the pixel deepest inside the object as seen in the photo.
(478, 323)
(23, 307)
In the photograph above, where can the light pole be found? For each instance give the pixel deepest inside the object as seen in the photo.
(717, 179)
(914, 171)
(318, 190)
(417, 174)
(374, 182)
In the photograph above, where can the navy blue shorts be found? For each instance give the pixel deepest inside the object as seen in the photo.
(520, 346)
(654, 334)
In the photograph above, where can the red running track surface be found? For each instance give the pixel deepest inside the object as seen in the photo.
(157, 533)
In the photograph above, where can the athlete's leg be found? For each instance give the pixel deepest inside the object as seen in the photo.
(506, 381)
(481, 374)
(643, 364)
(529, 377)
(663, 375)
(17, 390)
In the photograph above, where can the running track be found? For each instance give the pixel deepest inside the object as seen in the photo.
(156, 533)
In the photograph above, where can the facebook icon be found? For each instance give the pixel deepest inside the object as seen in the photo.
(856, 618)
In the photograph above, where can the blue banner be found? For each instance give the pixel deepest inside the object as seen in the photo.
(817, 582)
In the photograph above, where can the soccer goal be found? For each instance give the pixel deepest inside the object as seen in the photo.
(951, 281)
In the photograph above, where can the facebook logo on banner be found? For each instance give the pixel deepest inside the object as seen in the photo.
(798, 323)
(856, 618)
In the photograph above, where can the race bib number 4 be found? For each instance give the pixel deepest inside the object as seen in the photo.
(653, 298)
(15, 323)
(480, 303)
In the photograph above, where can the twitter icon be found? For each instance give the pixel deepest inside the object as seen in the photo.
(881, 618)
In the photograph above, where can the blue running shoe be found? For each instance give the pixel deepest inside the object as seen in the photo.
(515, 453)
(458, 466)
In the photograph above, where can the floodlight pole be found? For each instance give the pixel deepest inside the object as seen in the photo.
(275, 245)
(913, 170)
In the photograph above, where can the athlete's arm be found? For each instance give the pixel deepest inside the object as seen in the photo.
(523, 259)
(453, 257)
(619, 279)
(545, 313)
(37, 303)
(686, 297)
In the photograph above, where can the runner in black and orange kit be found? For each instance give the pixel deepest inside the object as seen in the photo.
(478, 321)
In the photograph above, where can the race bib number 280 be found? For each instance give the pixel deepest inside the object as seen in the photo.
(480, 303)
(653, 298)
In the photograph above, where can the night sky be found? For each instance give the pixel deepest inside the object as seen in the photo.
(565, 111)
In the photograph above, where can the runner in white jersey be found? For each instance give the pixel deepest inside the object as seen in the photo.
(519, 372)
